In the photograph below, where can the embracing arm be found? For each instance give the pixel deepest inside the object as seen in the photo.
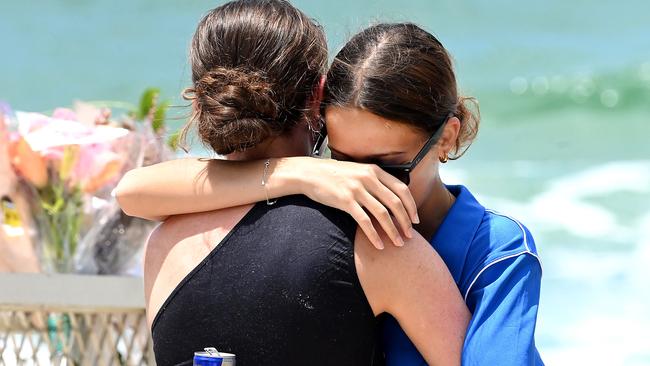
(414, 285)
(196, 185)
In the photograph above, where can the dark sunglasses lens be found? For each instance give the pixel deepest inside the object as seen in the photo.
(401, 174)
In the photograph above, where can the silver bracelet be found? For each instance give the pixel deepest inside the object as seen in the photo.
(267, 164)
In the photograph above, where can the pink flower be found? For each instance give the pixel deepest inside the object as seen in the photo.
(29, 122)
(87, 113)
(27, 163)
(64, 113)
(96, 166)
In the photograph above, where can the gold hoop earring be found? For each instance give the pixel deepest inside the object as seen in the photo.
(443, 159)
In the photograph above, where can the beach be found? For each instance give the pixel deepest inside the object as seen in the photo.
(564, 145)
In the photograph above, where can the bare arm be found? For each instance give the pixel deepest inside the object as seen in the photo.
(197, 185)
(194, 185)
(414, 285)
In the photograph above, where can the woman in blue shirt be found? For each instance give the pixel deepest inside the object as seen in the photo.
(391, 105)
(493, 259)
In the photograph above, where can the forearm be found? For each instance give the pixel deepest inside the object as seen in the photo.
(196, 185)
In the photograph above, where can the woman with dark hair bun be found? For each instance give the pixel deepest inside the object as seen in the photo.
(391, 106)
(286, 281)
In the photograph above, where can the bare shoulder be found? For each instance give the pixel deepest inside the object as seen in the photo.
(190, 229)
(384, 273)
(181, 227)
(178, 245)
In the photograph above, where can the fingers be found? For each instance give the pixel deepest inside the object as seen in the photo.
(362, 218)
(394, 204)
(382, 215)
(403, 193)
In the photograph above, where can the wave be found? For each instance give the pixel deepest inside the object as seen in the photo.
(566, 204)
(628, 89)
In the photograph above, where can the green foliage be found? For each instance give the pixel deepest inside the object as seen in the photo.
(148, 101)
(158, 121)
(59, 223)
(151, 107)
(174, 140)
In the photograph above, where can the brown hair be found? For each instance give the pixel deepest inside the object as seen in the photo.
(403, 73)
(255, 65)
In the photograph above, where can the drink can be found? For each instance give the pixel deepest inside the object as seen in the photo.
(211, 357)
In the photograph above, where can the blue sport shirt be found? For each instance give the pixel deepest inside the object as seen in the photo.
(494, 262)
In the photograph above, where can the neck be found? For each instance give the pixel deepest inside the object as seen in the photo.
(285, 145)
(434, 209)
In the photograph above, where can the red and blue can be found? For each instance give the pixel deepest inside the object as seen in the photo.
(211, 357)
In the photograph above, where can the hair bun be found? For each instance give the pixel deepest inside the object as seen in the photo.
(234, 109)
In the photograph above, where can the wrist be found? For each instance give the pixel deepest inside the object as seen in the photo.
(288, 176)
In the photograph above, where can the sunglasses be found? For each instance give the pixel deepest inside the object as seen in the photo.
(403, 171)
(399, 171)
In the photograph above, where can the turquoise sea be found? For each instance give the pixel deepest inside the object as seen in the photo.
(564, 145)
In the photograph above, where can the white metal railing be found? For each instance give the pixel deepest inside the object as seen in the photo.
(73, 320)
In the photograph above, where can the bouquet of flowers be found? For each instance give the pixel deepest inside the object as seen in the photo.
(68, 164)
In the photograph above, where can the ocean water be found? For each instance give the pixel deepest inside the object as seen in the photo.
(564, 146)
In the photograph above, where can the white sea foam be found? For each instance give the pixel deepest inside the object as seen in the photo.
(641, 257)
(591, 267)
(619, 338)
(565, 205)
(607, 291)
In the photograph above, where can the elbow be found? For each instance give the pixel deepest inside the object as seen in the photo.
(129, 196)
(125, 193)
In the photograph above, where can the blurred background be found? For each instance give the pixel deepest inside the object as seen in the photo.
(564, 145)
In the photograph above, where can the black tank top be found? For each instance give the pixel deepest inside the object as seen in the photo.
(280, 289)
